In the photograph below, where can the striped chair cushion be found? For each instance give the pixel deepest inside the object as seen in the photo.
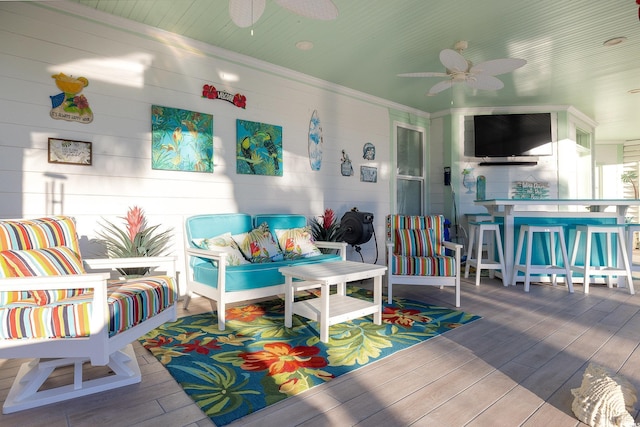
(33, 234)
(38, 234)
(415, 242)
(433, 222)
(130, 303)
(423, 266)
(56, 261)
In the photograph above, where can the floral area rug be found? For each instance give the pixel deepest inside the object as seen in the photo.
(256, 361)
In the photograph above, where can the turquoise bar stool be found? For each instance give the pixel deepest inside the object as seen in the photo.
(611, 268)
(475, 251)
(553, 269)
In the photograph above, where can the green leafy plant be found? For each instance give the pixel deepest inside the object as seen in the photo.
(136, 239)
(326, 228)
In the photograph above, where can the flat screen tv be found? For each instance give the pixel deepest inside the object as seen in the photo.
(509, 135)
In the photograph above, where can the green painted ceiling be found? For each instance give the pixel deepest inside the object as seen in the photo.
(372, 41)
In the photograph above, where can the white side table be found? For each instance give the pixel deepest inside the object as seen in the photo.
(331, 309)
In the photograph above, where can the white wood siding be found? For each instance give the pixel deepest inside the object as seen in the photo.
(131, 67)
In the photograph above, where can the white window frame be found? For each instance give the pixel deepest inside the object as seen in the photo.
(397, 176)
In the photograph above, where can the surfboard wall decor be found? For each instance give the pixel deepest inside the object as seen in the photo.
(315, 142)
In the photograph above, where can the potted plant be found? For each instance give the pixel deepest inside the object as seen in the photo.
(325, 228)
(137, 239)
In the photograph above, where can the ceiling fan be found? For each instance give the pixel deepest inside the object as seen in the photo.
(459, 70)
(245, 13)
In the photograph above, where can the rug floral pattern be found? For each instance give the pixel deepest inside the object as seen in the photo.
(256, 361)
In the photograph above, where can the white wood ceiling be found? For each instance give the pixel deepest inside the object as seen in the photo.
(372, 41)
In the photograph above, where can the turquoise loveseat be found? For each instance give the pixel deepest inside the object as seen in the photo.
(209, 275)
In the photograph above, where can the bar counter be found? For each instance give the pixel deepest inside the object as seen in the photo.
(569, 212)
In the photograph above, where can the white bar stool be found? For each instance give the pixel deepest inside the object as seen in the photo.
(528, 269)
(631, 230)
(476, 231)
(610, 269)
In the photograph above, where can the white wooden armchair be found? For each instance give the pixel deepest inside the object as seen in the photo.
(53, 312)
(416, 254)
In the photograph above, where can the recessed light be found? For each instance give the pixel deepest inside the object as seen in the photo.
(636, 90)
(304, 45)
(614, 41)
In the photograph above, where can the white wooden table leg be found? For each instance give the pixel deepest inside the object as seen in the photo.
(377, 299)
(324, 312)
(288, 301)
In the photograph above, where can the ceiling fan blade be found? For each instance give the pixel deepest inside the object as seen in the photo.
(323, 10)
(453, 61)
(425, 74)
(485, 82)
(245, 13)
(497, 66)
(439, 87)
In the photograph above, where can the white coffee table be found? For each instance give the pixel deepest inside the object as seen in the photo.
(331, 309)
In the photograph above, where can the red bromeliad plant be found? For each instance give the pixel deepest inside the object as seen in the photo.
(136, 240)
(326, 228)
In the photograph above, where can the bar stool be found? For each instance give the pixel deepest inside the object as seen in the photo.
(528, 268)
(476, 231)
(630, 235)
(609, 269)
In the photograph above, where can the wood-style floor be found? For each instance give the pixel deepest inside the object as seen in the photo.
(515, 366)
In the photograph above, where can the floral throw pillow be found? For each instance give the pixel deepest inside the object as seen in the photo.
(258, 245)
(223, 243)
(297, 243)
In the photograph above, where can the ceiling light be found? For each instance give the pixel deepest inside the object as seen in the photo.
(304, 45)
(614, 41)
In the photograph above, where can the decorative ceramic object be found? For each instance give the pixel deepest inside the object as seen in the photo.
(345, 167)
(468, 180)
(481, 188)
(369, 151)
(604, 399)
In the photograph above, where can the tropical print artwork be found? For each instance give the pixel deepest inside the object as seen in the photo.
(258, 148)
(181, 140)
(256, 361)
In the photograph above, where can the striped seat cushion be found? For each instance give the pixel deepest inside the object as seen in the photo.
(423, 266)
(130, 303)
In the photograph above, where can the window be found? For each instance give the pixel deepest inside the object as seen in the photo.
(410, 171)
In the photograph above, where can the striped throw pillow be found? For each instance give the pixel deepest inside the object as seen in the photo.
(56, 261)
(416, 242)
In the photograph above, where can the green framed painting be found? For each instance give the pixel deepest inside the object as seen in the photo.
(258, 148)
(181, 140)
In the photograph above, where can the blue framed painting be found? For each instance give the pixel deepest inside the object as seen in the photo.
(181, 140)
(258, 148)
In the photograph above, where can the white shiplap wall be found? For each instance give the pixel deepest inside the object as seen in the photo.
(131, 67)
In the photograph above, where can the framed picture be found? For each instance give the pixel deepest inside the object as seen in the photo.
(368, 174)
(69, 152)
(181, 140)
(258, 148)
